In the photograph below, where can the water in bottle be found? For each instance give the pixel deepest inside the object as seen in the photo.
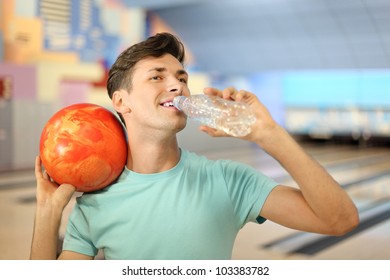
(234, 118)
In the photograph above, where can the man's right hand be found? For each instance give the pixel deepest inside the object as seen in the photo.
(50, 192)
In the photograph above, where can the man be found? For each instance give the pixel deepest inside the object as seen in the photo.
(172, 204)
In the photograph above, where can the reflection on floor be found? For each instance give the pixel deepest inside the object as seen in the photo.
(363, 172)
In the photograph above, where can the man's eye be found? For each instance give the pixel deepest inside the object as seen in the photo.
(183, 80)
(156, 78)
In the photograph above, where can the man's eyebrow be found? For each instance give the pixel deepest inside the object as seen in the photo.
(181, 72)
(158, 69)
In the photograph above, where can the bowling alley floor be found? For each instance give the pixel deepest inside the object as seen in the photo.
(363, 170)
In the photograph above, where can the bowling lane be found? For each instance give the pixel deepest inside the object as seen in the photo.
(16, 222)
(372, 244)
(365, 174)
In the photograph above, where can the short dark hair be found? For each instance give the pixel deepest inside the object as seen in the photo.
(120, 74)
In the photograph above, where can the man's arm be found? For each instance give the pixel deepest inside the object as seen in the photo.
(51, 201)
(320, 204)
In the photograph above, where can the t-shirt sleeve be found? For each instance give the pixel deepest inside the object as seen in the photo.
(248, 190)
(77, 232)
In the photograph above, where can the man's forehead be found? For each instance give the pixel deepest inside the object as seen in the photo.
(164, 59)
(160, 64)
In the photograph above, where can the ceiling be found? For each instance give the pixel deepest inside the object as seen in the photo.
(247, 36)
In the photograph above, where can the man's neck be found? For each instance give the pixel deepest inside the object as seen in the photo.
(149, 157)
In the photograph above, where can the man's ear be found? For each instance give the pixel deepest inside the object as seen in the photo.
(118, 102)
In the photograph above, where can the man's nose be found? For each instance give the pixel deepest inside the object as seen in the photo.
(175, 86)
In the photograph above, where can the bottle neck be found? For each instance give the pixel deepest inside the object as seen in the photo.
(178, 102)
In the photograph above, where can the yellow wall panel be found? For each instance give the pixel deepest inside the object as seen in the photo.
(50, 74)
(197, 82)
(64, 57)
(99, 96)
(23, 39)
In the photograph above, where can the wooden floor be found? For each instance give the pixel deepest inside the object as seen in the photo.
(363, 171)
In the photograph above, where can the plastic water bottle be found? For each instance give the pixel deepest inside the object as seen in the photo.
(234, 118)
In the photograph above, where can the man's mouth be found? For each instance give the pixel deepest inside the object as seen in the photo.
(167, 104)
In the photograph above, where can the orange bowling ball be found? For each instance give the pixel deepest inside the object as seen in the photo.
(83, 145)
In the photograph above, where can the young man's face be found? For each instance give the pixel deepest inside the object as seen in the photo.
(155, 82)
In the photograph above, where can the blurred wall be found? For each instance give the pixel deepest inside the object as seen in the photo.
(57, 53)
(53, 54)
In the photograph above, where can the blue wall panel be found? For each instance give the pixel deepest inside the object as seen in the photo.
(319, 89)
(339, 89)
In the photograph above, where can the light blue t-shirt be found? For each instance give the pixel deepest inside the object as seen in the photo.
(192, 211)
